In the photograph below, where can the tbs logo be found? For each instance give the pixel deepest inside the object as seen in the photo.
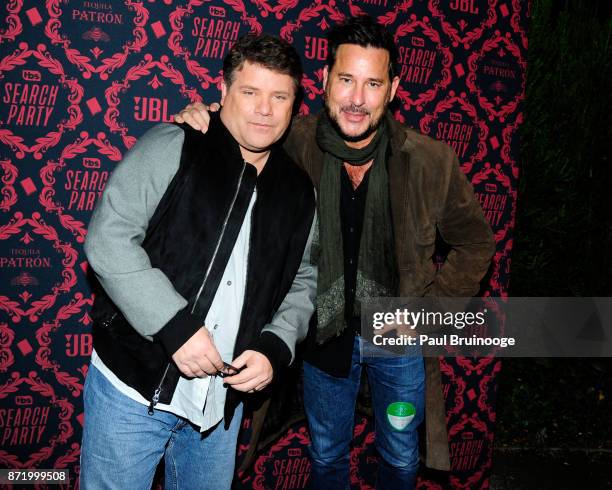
(216, 11)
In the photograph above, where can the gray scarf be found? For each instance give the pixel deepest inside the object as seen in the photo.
(376, 269)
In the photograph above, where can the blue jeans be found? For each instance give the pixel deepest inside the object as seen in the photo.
(123, 444)
(329, 403)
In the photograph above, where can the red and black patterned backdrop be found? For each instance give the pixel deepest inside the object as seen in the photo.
(81, 80)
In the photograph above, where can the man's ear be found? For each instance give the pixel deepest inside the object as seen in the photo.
(325, 75)
(394, 84)
(223, 91)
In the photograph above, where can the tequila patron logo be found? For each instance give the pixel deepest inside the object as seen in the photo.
(73, 184)
(39, 265)
(32, 85)
(455, 121)
(33, 416)
(424, 62)
(98, 28)
(147, 94)
(464, 21)
(202, 34)
(26, 269)
(497, 76)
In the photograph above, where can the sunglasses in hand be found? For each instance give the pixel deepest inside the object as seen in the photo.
(228, 370)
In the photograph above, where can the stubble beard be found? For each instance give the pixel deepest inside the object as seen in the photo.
(374, 125)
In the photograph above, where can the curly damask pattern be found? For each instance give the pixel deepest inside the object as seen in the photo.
(80, 81)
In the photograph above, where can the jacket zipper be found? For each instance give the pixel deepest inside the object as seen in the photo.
(218, 244)
(157, 393)
(155, 398)
(106, 323)
(246, 283)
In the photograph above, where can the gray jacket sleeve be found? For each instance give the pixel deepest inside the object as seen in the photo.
(118, 226)
(290, 322)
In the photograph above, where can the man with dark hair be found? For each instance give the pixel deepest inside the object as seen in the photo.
(201, 244)
(384, 192)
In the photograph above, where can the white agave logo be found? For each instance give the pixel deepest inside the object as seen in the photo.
(400, 414)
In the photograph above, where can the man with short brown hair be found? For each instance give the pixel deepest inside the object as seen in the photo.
(202, 246)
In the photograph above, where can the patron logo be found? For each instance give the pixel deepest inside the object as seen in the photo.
(96, 15)
(22, 258)
(95, 28)
(315, 48)
(25, 280)
(497, 76)
(47, 258)
(424, 62)
(80, 344)
(455, 121)
(26, 267)
(500, 70)
(23, 425)
(96, 34)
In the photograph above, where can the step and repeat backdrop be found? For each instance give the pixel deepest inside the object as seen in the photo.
(80, 81)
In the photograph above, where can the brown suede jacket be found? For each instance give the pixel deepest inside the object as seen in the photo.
(428, 192)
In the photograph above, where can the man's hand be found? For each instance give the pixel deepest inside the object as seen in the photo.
(197, 115)
(256, 375)
(198, 356)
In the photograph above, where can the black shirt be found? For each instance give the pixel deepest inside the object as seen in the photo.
(352, 207)
(334, 356)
